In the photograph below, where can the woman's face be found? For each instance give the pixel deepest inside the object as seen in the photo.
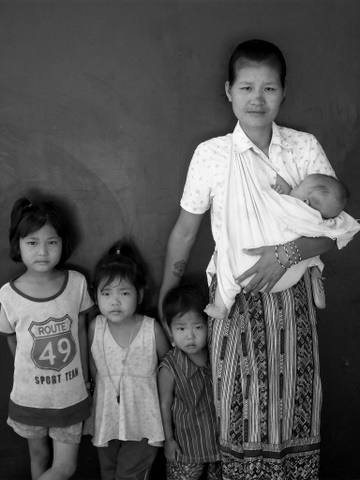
(256, 96)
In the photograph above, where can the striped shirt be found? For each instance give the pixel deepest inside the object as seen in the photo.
(193, 409)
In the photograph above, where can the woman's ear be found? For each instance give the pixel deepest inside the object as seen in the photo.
(227, 91)
(307, 201)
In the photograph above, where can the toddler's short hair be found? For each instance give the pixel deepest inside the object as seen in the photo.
(183, 299)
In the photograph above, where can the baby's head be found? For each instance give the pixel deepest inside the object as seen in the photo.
(183, 310)
(323, 193)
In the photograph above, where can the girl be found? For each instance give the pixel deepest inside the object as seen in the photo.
(43, 312)
(125, 349)
(186, 390)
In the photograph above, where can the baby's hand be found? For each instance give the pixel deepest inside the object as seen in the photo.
(277, 188)
(172, 450)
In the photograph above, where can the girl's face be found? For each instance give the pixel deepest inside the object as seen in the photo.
(118, 300)
(256, 96)
(189, 332)
(41, 250)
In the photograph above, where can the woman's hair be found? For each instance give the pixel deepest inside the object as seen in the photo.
(27, 218)
(183, 299)
(257, 51)
(121, 262)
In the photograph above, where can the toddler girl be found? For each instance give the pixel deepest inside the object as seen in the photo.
(185, 388)
(43, 312)
(125, 349)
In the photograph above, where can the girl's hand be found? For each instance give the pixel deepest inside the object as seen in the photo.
(267, 271)
(172, 450)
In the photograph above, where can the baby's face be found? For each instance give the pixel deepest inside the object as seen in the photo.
(327, 205)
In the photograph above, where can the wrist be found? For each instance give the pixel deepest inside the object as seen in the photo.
(287, 255)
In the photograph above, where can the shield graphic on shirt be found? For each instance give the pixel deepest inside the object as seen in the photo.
(54, 346)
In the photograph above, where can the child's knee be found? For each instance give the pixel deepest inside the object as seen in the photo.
(63, 471)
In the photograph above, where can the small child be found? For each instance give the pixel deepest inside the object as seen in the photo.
(125, 349)
(321, 192)
(43, 312)
(185, 388)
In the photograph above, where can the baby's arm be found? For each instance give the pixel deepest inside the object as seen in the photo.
(281, 186)
(166, 391)
(162, 344)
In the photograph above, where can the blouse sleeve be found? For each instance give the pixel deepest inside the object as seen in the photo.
(316, 160)
(196, 197)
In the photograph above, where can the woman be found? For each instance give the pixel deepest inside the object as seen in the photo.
(265, 352)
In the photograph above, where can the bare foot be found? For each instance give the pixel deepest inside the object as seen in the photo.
(214, 311)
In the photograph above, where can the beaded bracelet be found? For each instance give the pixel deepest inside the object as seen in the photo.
(295, 252)
(290, 259)
(278, 258)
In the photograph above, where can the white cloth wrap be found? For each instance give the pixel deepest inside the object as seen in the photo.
(254, 215)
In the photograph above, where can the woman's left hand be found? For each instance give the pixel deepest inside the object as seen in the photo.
(267, 271)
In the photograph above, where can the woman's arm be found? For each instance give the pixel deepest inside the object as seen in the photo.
(162, 344)
(166, 392)
(179, 246)
(267, 269)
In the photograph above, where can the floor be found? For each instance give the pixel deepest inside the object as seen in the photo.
(17, 467)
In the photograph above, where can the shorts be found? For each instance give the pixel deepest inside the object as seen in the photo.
(71, 434)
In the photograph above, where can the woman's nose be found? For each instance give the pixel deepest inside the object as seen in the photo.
(258, 97)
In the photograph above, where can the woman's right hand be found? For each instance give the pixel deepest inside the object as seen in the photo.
(267, 271)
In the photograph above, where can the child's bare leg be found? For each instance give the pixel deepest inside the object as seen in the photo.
(39, 449)
(64, 462)
(218, 308)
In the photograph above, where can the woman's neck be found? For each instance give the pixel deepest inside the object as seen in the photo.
(261, 137)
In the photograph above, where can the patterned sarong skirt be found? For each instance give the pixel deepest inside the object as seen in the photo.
(267, 385)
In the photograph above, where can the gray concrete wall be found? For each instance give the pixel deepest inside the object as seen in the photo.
(102, 104)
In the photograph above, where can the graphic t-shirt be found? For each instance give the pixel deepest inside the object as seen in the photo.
(48, 386)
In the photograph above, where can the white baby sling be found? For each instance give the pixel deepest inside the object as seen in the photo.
(254, 215)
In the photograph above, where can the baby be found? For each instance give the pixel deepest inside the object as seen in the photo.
(321, 192)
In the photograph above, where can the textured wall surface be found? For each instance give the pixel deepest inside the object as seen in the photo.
(102, 104)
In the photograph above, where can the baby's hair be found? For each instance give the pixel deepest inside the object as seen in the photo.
(122, 261)
(183, 299)
(27, 217)
(327, 185)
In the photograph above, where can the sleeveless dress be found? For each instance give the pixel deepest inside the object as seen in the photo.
(130, 373)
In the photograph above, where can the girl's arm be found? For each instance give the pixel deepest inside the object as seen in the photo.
(83, 346)
(12, 342)
(179, 246)
(162, 344)
(166, 391)
(267, 269)
(92, 365)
